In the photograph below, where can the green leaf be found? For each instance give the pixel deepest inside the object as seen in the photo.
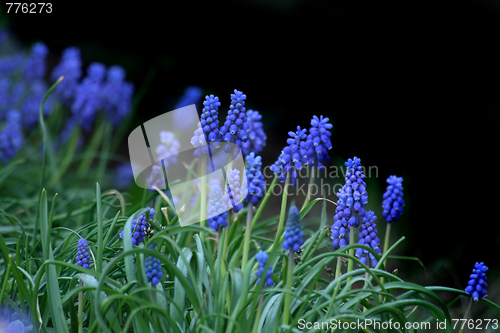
(54, 294)
(177, 308)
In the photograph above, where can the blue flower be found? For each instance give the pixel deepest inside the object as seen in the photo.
(3, 36)
(216, 208)
(192, 95)
(139, 227)
(293, 232)
(156, 178)
(11, 64)
(199, 142)
(318, 141)
(368, 236)
(477, 283)
(117, 95)
(35, 66)
(11, 136)
(262, 258)
(256, 136)
(208, 127)
(352, 199)
(292, 157)
(210, 118)
(6, 103)
(168, 149)
(123, 175)
(235, 127)
(30, 109)
(255, 185)
(89, 96)
(393, 199)
(153, 268)
(234, 191)
(82, 254)
(70, 67)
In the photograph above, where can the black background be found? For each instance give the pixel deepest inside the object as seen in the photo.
(411, 87)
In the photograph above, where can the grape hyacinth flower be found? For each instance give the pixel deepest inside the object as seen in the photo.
(82, 254)
(318, 142)
(11, 136)
(168, 149)
(69, 67)
(210, 119)
(292, 157)
(477, 283)
(234, 191)
(293, 232)
(393, 199)
(235, 127)
(123, 175)
(199, 142)
(256, 136)
(192, 95)
(353, 198)
(368, 236)
(35, 66)
(255, 185)
(153, 268)
(89, 96)
(31, 105)
(139, 227)
(217, 208)
(262, 258)
(117, 95)
(156, 178)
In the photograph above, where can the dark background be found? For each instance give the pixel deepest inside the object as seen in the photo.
(411, 87)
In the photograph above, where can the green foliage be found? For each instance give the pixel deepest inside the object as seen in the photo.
(204, 288)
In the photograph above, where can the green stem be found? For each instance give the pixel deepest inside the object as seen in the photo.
(259, 313)
(281, 223)
(226, 236)
(248, 233)
(80, 309)
(387, 235)
(386, 246)
(339, 267)
(203, 196)
(466, 316)
(264, 201)
(311, 182)
(288, 294)
(350, 265)
(44, 148)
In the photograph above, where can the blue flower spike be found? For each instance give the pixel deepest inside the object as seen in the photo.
(140, 227)
(353, 198)
(255, 185)
(256, 136)
(11, 136)
(216, 207)
(234, 191)
(82, 254)
(393, 199)
(368, 236)
(293, 232)
(318, 141)
(262, 258)
(292, 157)
(153, 268)
(477, 283)
(235, 129)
